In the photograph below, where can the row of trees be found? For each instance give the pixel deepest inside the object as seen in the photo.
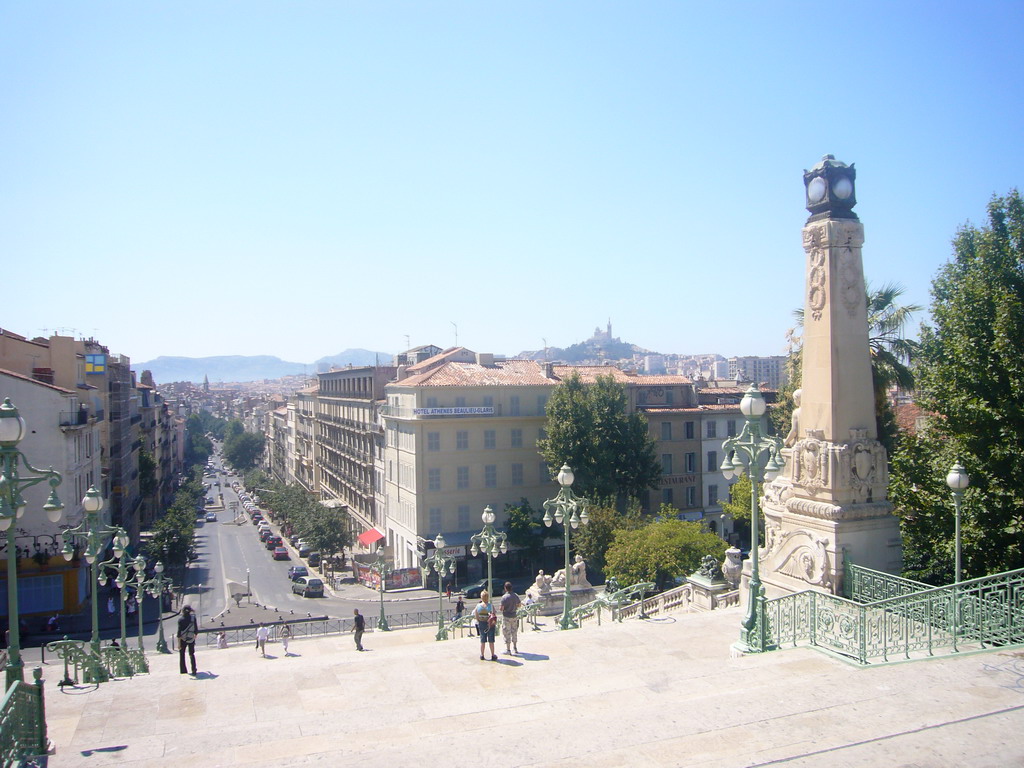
(327, 530)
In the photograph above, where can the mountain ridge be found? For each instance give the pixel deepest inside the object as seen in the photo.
(241, 368)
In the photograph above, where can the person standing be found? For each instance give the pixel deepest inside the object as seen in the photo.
(486, 621)
(510, 603)
(460, 607)
(188, 628)
(286, 635)
(261, 639)
(358, 627)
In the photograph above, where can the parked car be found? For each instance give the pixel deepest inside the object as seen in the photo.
(264, 535)
(293, 539)
(308, 586)
(296, 571)
(304, 551)
(211, 517)
(313, 559)
(209, 501)
(272, 542)
(281, 553)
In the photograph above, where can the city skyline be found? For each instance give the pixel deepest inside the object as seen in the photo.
(204, 180)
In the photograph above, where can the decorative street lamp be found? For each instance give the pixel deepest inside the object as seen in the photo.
(957, 480)
(94, 533)
(121, 566)
(382, 568)
(571, 509)
(12, 506)
(440, 562)
(759, 455)
(156, 587)
(491, 542)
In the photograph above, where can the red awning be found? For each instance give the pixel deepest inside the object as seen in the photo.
(370, 536)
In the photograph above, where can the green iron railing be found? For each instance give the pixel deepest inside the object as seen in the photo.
(971, 615)
(23, 722)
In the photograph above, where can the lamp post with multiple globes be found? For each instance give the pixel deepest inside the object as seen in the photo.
(493, 543)
(761, 457)
(440, 562)
(12, 507)
(571, 509)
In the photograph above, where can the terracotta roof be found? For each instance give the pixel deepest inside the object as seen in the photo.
(508, 373)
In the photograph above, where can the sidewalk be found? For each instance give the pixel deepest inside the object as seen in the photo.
(655, 693)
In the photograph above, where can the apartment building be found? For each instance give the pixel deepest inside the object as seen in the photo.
(770, 371)
(304, 461)
(460, 434)
(62, 433)
(349, 446)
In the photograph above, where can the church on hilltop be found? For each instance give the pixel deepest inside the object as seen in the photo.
(603, 337)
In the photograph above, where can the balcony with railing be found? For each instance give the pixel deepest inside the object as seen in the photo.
(77, 418)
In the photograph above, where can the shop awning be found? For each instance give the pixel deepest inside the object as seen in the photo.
(367, 538)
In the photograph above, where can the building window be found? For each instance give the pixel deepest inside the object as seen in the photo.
(434, 523)
(669, 397)
(517, 438)
(712, 461)
(542, 434)
(462, 440)
(690, 462)
(712, 428)
(542, 403)
(666, 495)
(691, 496)
(730, 427)
(488, 401)
(460, 402)
(666, 463)
(490, 440)
(463, 517)
(666, 430)
(543, 473)
(462, 477)
(491, 476)
(689, 430)
(513, 408)
(431, 402)
(433, 441)
(517, 474)
(433, 479)
(712, 495)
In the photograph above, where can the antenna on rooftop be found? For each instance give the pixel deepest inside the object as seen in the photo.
(407, 347)
(456, 332)
(545, 348)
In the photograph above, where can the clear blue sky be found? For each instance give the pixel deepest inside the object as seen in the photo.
(297, 178)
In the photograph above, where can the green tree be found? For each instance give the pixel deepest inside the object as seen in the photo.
(525, 531)
(661, 551)
(593, 540)
(147, 474)
(971, 377)
(244, 451)
(610, 450)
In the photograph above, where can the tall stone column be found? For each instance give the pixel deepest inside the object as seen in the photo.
(829, 506)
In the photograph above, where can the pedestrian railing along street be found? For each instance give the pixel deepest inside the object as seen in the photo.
(970, 615)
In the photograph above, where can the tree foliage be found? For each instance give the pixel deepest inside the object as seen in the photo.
(610, 450)
(661, 551)
(525, 530)
(173, 531)
(971, 376)
(593, 539)
(326, 530)
(244, 450)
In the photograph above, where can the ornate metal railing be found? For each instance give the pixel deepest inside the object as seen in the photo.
(23, 722)
(972, 615)
(864, 585)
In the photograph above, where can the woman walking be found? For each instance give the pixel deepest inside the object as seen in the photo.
(286, 635)
(486, 621)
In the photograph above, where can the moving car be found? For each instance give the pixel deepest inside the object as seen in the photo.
(296, 571)
(308, 586)
(281, 553)
(519, 586)
(211, 517)
(273, 541)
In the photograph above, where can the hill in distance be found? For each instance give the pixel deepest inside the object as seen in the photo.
(249, 367)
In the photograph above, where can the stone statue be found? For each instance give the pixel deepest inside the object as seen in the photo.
(709, 568)
(558, 580)
(579, 572)
(794, 430)
(612, 585)
(733, 566)
(542, 583)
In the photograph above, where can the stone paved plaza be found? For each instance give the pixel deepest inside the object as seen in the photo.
(661, 692)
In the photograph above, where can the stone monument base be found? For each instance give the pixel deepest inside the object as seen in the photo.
(552, 601)
(706, 592)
